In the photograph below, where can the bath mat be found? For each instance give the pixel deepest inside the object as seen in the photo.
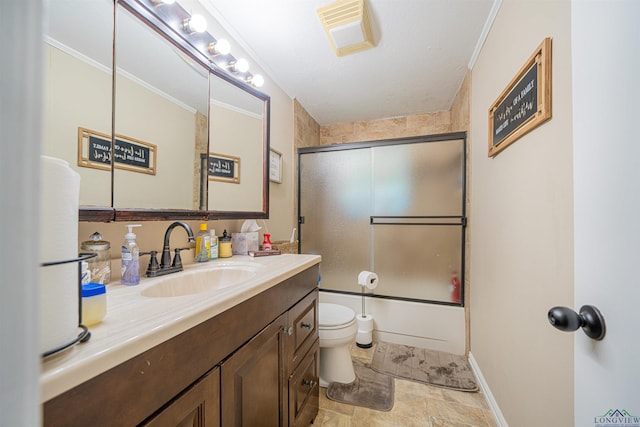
(370, 389)
(426, 366)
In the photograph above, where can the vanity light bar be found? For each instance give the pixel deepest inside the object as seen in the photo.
(192, 28)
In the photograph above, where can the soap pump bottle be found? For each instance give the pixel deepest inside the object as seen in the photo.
(130, 252)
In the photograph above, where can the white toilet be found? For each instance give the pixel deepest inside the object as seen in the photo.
(337, 327)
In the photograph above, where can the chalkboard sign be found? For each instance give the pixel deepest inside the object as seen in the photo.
(99, 150)
(94, 151)
(525, 103)
(520, 104)
(130, 153)
(224, 168)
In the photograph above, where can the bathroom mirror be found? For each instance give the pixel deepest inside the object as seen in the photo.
(78, 47)
(238, 137)
(157, 105)
(160, 120)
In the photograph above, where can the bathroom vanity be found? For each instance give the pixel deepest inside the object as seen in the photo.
(244, 354)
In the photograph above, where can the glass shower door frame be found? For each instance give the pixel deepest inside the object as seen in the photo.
(377, 223)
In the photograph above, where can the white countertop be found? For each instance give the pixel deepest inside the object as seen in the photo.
(135, 323)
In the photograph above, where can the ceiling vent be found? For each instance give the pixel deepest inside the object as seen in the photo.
(346, 23)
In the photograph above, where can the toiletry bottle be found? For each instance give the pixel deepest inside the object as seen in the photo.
(213, 248)
(203, 243)
(130, 264)
(266, 243)
(225, 245)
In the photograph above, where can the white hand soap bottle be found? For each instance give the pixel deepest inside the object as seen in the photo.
(130, 253)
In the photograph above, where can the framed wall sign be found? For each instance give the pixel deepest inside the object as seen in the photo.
(275, 166)
(525, 103)
(94, 151)
(224, 168)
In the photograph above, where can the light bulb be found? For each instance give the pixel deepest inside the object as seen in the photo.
(195, 24)
(240, 66)
(220, 47)
(257, 80)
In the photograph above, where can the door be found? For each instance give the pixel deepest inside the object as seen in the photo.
(198, 406)
(253, 385)
(395, 207)
(606, 65)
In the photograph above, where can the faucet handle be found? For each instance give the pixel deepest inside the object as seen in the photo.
(177, 260)
(153, 263)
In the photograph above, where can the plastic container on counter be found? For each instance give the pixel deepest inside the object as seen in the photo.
(94, 303)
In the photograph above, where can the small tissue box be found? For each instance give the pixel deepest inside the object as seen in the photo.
(243, 243)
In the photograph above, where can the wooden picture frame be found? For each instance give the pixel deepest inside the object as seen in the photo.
(525, 103)
(275, 166)
(94, 151)
(224, 168)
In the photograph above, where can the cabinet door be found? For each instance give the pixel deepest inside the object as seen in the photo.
(198, 406)
(303, 321)
(304, 389)
(253, 383)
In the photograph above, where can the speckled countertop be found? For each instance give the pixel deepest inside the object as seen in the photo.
(135, 323)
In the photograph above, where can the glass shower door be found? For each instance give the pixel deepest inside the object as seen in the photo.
(335, 206)
(393, 208)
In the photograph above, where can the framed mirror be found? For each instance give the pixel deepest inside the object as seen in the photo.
(151, 118)
(78, 48)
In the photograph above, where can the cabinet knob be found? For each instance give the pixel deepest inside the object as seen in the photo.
(305, 325)
(309, 383)
(288, 331)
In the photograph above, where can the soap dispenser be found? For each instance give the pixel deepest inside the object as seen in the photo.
(130, 264)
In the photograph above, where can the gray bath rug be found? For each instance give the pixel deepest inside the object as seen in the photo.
(426, 366)
(370, 389)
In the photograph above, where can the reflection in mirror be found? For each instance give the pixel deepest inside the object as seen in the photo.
(237, 138)
(78, 48)
(161, 116)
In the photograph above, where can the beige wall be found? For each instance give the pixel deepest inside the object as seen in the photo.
(521, 225)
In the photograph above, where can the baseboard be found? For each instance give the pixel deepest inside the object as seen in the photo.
(493, 405)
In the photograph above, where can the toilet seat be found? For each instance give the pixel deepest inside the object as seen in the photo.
(334, 316)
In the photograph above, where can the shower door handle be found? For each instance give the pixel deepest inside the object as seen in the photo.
(589, 319)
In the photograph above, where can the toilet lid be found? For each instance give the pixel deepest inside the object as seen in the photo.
(334, 314)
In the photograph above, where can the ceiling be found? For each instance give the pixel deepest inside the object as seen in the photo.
(423, 51)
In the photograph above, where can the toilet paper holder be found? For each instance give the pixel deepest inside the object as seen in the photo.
(364, 337)
(84, 334)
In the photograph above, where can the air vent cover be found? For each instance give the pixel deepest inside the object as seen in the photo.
(346, 23)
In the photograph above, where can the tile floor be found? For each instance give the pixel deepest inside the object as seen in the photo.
(415, 404)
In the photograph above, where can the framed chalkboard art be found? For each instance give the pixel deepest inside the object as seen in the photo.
(525, 103)
(224, 168)
(94, 151)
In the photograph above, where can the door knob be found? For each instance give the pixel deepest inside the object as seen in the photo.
(589, 319)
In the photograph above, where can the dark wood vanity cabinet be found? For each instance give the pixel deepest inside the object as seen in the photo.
(255, 364)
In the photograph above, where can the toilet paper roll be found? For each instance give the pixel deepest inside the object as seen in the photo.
(365, 323)
(368, 279)
(58, 240)
(364, 337)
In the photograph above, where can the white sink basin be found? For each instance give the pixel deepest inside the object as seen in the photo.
(200, 280)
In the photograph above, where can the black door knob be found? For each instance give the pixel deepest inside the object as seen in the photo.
(589, 319)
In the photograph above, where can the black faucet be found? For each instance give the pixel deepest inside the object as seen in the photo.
(166, 265)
